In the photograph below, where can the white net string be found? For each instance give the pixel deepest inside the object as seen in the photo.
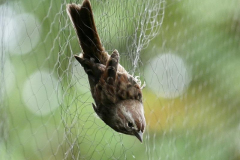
(186, 51)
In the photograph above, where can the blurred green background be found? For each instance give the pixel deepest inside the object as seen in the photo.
(187, 52)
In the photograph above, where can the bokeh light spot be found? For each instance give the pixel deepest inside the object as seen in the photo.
(167, 76)
(22, 33)
(40, 93)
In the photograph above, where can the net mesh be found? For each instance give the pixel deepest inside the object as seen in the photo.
(186, 51)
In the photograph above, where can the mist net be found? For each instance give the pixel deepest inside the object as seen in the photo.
(187, 53)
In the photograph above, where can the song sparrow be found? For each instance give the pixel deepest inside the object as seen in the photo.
(117, 94)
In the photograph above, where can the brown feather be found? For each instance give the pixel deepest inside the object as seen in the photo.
(117, 94)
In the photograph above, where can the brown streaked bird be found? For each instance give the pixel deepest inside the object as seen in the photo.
(117, 94)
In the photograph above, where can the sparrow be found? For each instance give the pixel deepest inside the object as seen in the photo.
(117, 94)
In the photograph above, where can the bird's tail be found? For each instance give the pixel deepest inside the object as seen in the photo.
(83, 22)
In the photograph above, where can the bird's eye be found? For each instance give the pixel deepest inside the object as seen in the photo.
(130, 124)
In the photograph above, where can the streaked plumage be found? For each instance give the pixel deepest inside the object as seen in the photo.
(117, 94)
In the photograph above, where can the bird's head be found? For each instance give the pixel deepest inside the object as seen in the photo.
(129, 118)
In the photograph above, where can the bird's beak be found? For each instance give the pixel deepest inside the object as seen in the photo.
(139, 135)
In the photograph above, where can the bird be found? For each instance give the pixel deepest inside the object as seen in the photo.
(116, 93)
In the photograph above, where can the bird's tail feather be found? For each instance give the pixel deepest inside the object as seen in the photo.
(83, 22)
